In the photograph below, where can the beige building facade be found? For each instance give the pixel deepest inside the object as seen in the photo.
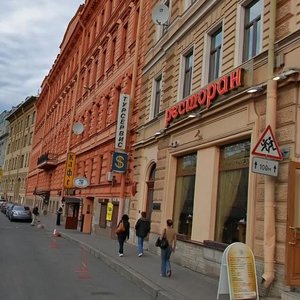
(217, 148)
(21, 127)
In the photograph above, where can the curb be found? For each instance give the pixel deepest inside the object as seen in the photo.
(148, 286)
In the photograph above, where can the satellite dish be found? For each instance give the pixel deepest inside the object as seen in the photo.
(160, 14)
(78, 128)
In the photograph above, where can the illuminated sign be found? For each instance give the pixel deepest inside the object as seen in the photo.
(122, 121)
(70, 168)
(205, 96)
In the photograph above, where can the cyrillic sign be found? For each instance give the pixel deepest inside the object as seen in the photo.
(205, 96)
(122, 122)
(70, 168)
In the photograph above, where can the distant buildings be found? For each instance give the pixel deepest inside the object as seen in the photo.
(21, 125)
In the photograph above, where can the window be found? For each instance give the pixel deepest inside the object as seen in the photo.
(165, 26)
(215, 55)
(184, 194)
(252, 29)
(157, 96)
(187, 77)
(231, 214)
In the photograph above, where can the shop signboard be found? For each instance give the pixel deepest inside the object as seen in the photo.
(238, 273)
(122, 121)
(119, 162)
(70, 169)
(109, 211)
(81, 182)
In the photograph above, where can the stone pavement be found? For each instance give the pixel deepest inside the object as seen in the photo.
(143, 271)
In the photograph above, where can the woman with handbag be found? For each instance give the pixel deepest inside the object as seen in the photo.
(170, 234)
(123, 233)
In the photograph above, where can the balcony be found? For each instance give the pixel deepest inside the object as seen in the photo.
(47, 161)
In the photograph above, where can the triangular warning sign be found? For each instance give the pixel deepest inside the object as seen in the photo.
(267, 146)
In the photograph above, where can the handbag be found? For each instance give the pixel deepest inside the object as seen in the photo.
(162, 242)
(121, 228)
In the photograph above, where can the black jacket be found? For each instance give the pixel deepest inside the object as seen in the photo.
(142, 227)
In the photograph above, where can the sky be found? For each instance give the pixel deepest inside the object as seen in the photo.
(31, 32)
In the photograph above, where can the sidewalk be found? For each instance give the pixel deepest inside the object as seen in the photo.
(143, 271)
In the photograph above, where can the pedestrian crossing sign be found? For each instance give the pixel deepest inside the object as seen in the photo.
(267, 146)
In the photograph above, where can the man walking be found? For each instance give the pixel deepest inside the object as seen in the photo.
(142, 228)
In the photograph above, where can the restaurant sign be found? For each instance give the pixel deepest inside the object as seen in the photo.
(205, 96)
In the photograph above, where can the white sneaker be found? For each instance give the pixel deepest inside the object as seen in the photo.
(120, 254)
(140, 254)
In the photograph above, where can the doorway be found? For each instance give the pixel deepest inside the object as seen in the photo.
(292, 272)
(87, 215)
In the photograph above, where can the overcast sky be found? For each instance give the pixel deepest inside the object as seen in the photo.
(30, 34)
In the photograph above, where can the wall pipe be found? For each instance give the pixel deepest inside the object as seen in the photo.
(269, 189)
(132, 97)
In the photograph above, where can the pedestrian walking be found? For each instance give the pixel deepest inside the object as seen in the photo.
(58, 215)
(123, 233)
(170, 234)
(142, 228)
(35, 213)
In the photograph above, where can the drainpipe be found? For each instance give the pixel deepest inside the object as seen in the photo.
(43, 135)
(75, 97)
(132, 97)
(269, 204)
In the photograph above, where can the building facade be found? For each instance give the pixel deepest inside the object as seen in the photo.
(217, 148)
(21, 126)
(3, 141)
(79, 148)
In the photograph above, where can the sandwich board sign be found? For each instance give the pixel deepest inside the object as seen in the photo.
(238, 273)
(267, 146)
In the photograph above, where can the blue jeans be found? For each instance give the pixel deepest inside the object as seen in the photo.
(140, 244)
(165, 261)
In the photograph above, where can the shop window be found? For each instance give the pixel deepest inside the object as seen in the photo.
(184, 195)
(252, 29)
(231, 214)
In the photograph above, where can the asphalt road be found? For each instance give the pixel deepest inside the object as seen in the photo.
(34, 265)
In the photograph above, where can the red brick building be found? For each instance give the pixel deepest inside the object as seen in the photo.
(99, 59)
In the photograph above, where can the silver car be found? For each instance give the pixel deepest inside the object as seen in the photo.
(21, 213)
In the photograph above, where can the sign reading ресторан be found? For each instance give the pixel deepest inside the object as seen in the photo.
(122, 121)
(205, 96)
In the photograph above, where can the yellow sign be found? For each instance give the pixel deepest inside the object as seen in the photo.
(238, 273)
(109, 211)
(70, 169)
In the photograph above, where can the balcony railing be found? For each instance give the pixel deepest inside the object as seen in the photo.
(47, 161)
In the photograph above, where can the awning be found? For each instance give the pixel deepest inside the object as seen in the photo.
(71, 200)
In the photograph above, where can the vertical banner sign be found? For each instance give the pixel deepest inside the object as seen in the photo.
(70, 169)
(122, 121)
(109, 211)
(241, 281)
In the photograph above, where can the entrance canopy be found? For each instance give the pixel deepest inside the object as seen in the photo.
(72, 200)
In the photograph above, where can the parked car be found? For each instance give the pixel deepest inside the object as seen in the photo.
(3, 207)
(9, 206)
(21, 213)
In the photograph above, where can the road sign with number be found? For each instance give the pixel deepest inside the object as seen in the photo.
(265, 166)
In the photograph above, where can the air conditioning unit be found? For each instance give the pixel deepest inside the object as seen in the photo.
(109, 176)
